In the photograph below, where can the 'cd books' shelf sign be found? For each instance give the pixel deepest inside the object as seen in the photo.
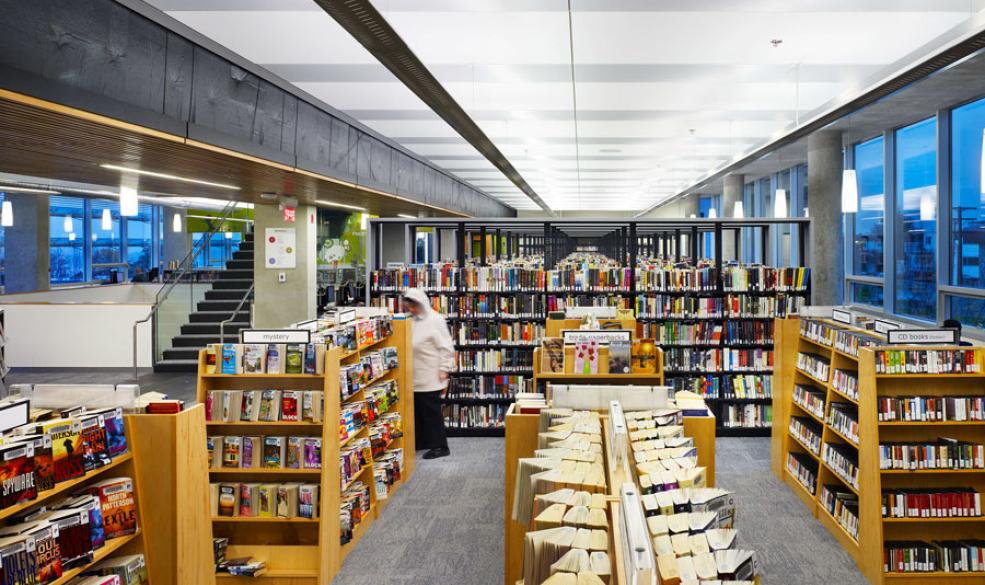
(602, 337)
(275, 336)
(923, 336)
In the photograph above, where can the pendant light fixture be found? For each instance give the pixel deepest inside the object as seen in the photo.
(71, 236)
(780, 203)
(228, 235)
(67, 224)
(176, 223)
(849, 182)
(712, 214)
(128, 201)
(807, 212)
(7, 214)
(737, 210)
(107, 221)
(928, 207)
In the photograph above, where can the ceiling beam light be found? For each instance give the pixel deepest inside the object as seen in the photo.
(407, 216)
(849, 191)
(13, 189)
(336, 204)
(169, 177)
(780, 203)
(7, 214)
(106, 223)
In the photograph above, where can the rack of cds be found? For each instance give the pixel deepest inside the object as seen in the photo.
(307, 444)
(885, 444)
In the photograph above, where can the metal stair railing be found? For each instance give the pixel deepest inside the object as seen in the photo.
(222, 325)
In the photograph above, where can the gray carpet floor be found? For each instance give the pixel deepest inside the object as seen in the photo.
(445, 526)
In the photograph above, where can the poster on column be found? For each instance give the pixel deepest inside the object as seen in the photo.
(281, 248)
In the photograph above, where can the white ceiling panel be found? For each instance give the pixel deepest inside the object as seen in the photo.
(665, 90)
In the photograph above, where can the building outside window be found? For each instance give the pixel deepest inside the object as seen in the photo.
(916, 220)
(106, 240)
(867, 228)
(966, 248)
(66, 225)
(139, 238)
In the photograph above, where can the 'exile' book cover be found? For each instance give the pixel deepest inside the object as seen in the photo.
(118, 506)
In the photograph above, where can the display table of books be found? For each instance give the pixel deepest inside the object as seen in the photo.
(612, 498)
(271, 413)
(885, 444)
(71, 507)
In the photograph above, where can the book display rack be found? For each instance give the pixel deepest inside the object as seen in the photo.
(67, 511)
(885, 444)
(332, 497)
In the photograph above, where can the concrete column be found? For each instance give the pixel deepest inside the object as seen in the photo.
(28, 259)
(176, 244)
(278, 304)
(732, 186)
(392, 244)
(825, 163)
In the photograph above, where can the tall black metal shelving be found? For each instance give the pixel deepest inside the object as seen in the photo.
(622, 240)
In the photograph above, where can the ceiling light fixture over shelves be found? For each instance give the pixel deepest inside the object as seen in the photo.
(849, 191)
(336, 204)
(158, 175)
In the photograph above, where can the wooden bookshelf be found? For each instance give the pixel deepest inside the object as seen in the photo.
(301, 550)
(873, 529)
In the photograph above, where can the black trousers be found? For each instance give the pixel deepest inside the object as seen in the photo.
(429, 424)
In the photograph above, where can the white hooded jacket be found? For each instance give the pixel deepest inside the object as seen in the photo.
(434, 350)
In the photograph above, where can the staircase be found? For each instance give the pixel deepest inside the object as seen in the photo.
(220, 302)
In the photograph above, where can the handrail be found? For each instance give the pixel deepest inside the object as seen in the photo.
(222, 325)
(186, 264)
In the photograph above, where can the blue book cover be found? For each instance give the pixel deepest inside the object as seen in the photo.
(228, 358)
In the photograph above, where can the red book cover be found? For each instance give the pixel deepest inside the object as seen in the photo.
(17, 475)
(118, 505)
(289, 405)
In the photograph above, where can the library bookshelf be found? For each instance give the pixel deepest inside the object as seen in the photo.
(300, 551)
(124, 465)
(874, 530)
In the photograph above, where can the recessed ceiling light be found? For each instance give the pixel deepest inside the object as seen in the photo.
(28, 190)
(406, 216)
(610, 150)
(167, 176)
(334, 204)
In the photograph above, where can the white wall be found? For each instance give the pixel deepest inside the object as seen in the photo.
(88, 327)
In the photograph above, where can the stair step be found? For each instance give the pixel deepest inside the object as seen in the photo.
(197, 341)
(229, 305)
(184, 353)
(235, 274)
(224, 295)
(176, 366)
(242, 316)
(246, 245)
(247, 236)
(212, 328)
(232, 284)
(243, 255)
(239, 264)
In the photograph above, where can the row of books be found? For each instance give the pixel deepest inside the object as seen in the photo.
(814, 365)
(38, 456)
(843, 418)
(711, 333)
(432, 277)
(669, 277)
(47, 540)
(380, 398)
(843, 507)
(843, 460)
(488, 386)
(733, 387)
(495, 360)
(354, 458)
(851, 342)
(928, 361)
(474, 304)
(817, 331)
(484, 416)
(845, 382)
(264, 452)
(387, 470)
(563, 302)
(944, 502)
(264, 500)
(585, 277)
(265, 358)
(372, 366)
(931, 408)
(807, 432)
(747, 416)
(939, 556)
(717, 360)
(737, 306)
(121, 570)
(356, 503)
(803, 468)
(944, 453)
(264, 405)
(810, 399)
(483, 332)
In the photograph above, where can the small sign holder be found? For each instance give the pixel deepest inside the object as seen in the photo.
(275, 336)
(923, 337)
(602, 336)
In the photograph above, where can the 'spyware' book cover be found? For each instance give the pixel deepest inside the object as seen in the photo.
(17, 475)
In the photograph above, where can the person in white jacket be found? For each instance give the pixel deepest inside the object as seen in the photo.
(434, 357)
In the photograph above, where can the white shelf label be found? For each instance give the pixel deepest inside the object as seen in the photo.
(923, 336)
(603, 337)
(275, 336)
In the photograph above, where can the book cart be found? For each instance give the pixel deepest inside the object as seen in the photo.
(123, 465)
(851, 352)
(301, 551)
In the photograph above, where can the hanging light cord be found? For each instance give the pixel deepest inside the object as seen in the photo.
(574, 98)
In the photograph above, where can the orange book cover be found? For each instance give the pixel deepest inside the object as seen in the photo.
(119, 507)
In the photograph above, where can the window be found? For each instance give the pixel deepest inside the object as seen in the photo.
(967, 245)
(3, 244)
(969, 311)
(106, 242)
(801, 208)
(781, 233)
(220, 249)
(139, 237)
(66, 225)
(868, 229)
(867, 294)
(916, 220)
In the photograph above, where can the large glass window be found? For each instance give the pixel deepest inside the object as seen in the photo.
(801, 208)
(139, 237)
(969, 311)
(867, 294)
(66, 225)
(967, 246)
(916, 220)
(106, 244)
(868, 232)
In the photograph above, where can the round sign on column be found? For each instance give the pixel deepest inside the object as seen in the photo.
(280, 249)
